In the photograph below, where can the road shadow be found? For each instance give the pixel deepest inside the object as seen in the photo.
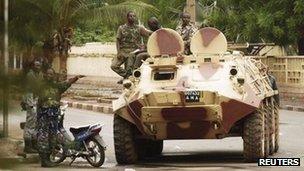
(202, 157)
(231, 159)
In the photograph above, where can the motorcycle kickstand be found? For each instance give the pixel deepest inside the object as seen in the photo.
(73, 159)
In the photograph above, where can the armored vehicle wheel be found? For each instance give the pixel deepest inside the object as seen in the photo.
(124, 141)
(277, 130)
(267, 130)
(253, 136)
(154, 148)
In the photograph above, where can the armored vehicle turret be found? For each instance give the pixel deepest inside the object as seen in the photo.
(211, 94)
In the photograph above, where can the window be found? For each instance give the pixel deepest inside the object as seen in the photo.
(164, 75)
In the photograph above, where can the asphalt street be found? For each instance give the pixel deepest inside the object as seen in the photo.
(224, 154)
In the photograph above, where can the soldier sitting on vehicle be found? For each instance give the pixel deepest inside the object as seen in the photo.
(48, 110)
(128, 40)
(29, 103)
(153, 25)
(186, 30)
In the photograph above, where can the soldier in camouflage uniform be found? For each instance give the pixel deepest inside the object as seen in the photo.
(273, 84)
(48, 111)
(29, 103)
(186, 30)
(128, 40)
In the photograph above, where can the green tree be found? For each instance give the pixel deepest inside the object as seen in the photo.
(278, 21)
(32, 21)
(169, 11)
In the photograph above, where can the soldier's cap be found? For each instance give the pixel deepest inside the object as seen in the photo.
(184, 14)
(36, 62)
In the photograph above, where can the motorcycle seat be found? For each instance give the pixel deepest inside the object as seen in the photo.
(79, 129)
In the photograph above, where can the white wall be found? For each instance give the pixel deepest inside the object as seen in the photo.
(273, 51)
(93, 59)
(90, 66)
(94, 47)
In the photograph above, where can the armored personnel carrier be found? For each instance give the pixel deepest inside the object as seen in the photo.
(211, 94)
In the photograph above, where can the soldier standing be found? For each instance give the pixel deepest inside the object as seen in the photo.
(128, 40)
(186, 30)
(48, 111)
(29, 103)
(273, 84)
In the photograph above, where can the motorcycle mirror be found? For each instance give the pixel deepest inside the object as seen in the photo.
(65, 106)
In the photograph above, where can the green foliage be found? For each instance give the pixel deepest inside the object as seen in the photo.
(167, 12)
(33, 21)
(278, 21)
(82, 36)
(105, 17)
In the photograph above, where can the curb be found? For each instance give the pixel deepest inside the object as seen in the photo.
(8, 162)
(293, 108)
(109, 109)
(90, 107)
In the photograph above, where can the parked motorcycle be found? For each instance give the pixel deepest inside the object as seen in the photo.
(86, 143)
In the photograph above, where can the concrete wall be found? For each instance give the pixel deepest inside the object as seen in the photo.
(90, 66)
(94, 48)
(273, 51)
(93, 59)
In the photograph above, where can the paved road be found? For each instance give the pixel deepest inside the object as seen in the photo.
(186, 154)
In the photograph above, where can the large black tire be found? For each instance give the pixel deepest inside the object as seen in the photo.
(154, 148)
(126, 151)
(253, 136)
(277, 130)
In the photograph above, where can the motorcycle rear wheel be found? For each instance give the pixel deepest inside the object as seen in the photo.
(95, 149)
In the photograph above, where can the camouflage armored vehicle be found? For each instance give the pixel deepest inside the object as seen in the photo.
(211, 94)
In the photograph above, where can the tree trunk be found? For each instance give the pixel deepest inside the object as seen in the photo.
(48, 51)
(63, 61)
(301, 46)
(301, 40)
(27, 59)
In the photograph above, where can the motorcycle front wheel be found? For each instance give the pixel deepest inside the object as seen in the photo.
(96, 155)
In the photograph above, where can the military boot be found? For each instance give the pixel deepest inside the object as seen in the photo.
(45, 160)
(26, 145)
(120, 81)
(34, 145)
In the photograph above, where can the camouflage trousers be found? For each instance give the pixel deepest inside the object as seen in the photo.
(139, 58)
(126, 58)
(47, 126)
(30, 130)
